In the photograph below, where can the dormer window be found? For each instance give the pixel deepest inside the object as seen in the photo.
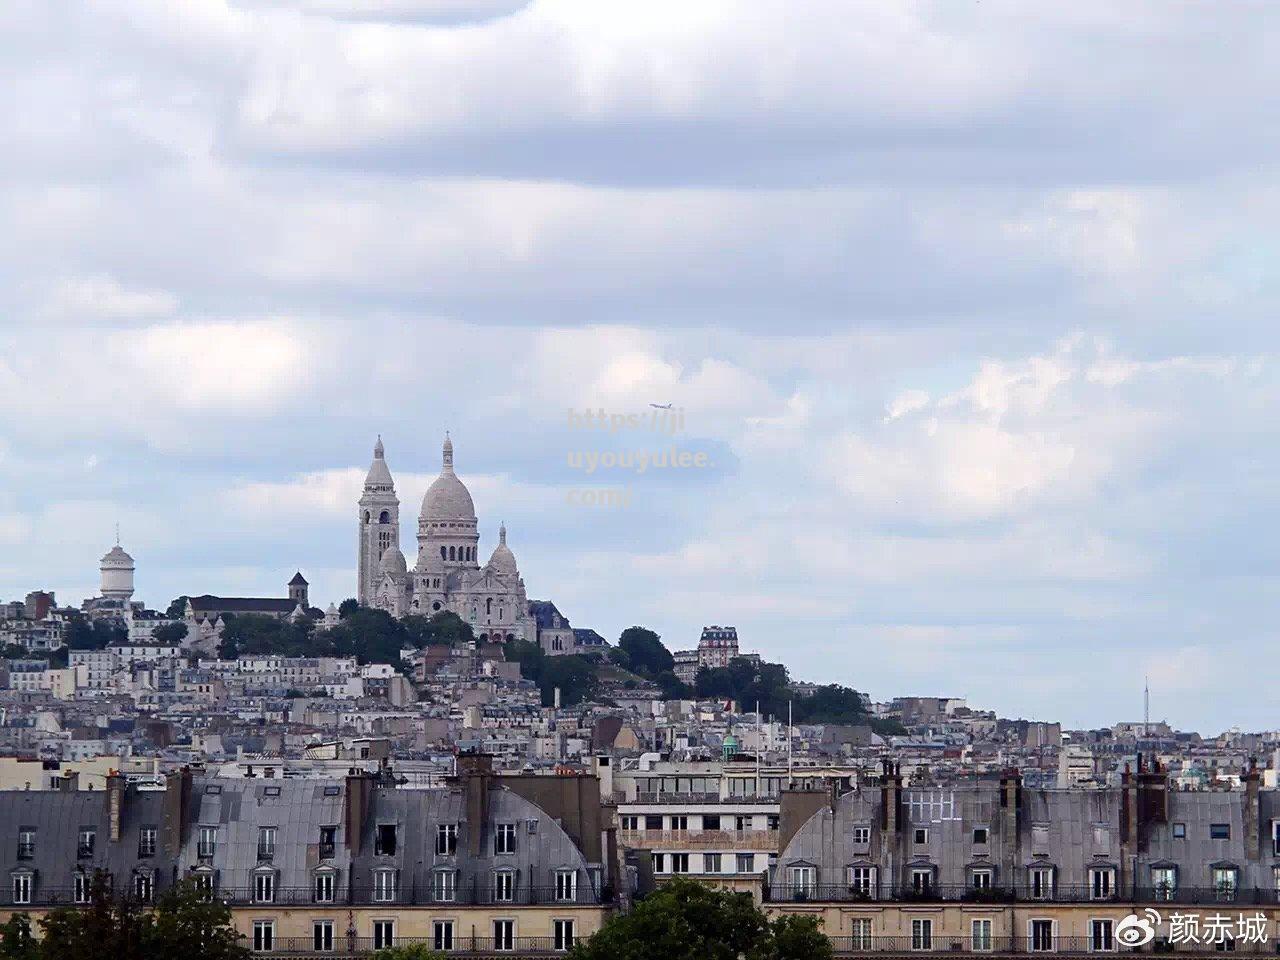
(23, 882)
(567, 886)
(206, 882)
(1041, 883)
(27, 843)
(264, 886)
(504, 838)
(1102, 882)
(446, 839)
(82, 890)
(504, 886)
(384, 842)
(324, 884)
(384, 886)
(266, 843)
(328, 842)
(445, 886)
(861, 836)
(88, 840)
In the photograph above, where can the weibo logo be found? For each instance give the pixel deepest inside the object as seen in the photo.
(1135, 931)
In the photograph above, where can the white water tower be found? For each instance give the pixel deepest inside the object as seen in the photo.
(117, 574)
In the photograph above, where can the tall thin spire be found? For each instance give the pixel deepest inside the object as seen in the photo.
(378, 451)
(1146, 706)
(448, 453)
(502, 534)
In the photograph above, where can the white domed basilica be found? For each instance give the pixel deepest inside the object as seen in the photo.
(446, 574)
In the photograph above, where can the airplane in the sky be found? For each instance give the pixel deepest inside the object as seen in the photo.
(661, 406)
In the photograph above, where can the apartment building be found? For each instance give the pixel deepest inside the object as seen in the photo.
(340, 865)
(1002, 868)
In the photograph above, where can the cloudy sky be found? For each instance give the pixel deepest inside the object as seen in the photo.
(970, 307)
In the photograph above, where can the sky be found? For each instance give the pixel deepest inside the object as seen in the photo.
(968, 310)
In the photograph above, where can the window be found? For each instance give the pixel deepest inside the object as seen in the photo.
(446, 839)
(442, 934)
(264, 887)
(504, 934)
(980, 935)
(628, 822)
(1219, 831)
(803, 881)
(1041, 935)
(981, 835)
(22, 888)
(384, 934)
(921, 835)
(324, 887)
(26, 843)
(679, 823)
(1179, 831)
(264, 936)
(88, 839)
(205, 884)
(567, 884)
(504, 838)
(328, 842)
(147, 842)
(266, 843)
(1101, 883)
(711, 821)
(384, 886)
(679, 863)
(444, 886)
(742, 824)
(711, 863)
(652, 822)
(207, 844)
(861, 836)
(562, 934)
(1224, 883)
(504, 886)
(659, 863)
(860, 933)
(322, 935)
(1225, 945)
(142, 887)
(1164, 882)
(1042, 883)
(746, 863)
(980, 879)
(384, 841)
(921, 934)
(1100, 937)
(922, 880)
(83, 887)
(862, 880)
(772, 821)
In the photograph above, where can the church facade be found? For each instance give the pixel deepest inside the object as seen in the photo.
(446, 574)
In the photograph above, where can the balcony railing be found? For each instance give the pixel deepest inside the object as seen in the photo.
(1025, 944)
(942, 893)
(725, 840)
(344, 946)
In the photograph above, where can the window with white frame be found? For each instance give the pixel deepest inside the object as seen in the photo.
(562, 934)
(679, 863)
(22, 888)
(83, 887)
(803, 881)
(980, 878)
(446, 839)
(1164, 882)
(142, 886)
(980, 935)
(264, 936)
(266, 843)
(1102, 881)
(504, 935)
(264, 886)
(205, 883)
(504, 886)
(921, 933)
(862, 880)
(861, 836)
(504, 838)
(322, 935)
(444, 886)
(26, 843)
(860, 933)
(323, 890)
(1225, 882)
(921, 835)
(629, 822)
(744, 863)
(207, 843)
(922, 879)
(147, 842)
(567, 886)
(1042, 883)
(384, 886)
(711, 863)
(1101, 938)
(1040, 935)
(384, 934)
(442, 934)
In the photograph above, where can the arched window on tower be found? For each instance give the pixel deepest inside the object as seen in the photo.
(443, 555)
(384, 517)
(488, 606)
(451, 554)
(366, 516)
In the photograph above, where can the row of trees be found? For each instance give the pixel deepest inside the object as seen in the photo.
(368, 634)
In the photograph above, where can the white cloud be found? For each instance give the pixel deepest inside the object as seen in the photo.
(103, 297)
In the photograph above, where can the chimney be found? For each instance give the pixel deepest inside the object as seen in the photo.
(1253, 838)
(1010, 828)
(71, 781)
(890, 815)
(356, 801)
(115, 805)
(475, 771)
(177, 801)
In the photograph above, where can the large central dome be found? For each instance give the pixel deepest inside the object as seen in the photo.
(447, 497)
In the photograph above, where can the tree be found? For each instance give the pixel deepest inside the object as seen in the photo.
(187, 924)
(645, 650)
(368, 634)
(85, 634)
(177, 608)
(572, 675)
(411, 951)
(16, 939)
(348, 607)
(672, 687)
(107, 927)
(685, 920)
(445, 628)
(170, 633)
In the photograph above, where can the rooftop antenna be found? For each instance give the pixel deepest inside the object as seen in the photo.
(117, 533)
(1146, 706)
(790, 736)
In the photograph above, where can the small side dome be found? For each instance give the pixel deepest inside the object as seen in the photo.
(393, 562)
(503, 561)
